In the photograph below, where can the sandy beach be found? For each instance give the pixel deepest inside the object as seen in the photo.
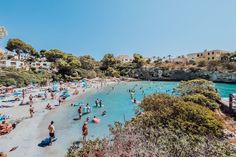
(31, 131)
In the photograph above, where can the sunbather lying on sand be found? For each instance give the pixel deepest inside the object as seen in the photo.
(49, 107)
(3, 154)
(5, 128)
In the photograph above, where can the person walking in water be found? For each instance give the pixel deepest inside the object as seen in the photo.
(85, 131)
(100, 103)
(80, 112)
(96, 102)
(31, 111)
(51, 129)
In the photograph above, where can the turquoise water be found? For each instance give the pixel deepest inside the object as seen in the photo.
(117, 103)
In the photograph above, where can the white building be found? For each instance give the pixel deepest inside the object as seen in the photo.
(15, 56)
(191, 57)
(180, 59)
(41, 65)
(11, 63)
(124, 58)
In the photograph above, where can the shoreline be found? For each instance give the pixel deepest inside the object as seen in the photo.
(30, 131)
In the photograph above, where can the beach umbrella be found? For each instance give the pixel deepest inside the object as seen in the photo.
(17, 93)
(55, 86)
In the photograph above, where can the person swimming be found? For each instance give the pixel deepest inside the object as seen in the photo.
(87, 119)
(95, 120)
(104, 113)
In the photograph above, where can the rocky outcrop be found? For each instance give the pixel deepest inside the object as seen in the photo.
(171, 74)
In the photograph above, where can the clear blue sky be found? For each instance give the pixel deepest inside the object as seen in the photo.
(95, 27)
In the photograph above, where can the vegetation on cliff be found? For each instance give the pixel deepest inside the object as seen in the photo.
(66, 66)
(21, 78)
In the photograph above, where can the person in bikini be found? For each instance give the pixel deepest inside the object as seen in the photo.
(31, 111)
(80, 112)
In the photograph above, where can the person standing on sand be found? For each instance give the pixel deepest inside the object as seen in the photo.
(31, 111)
(52, 95)
(31, 99)
(59, 101)
(85, 131)
(51, 129)
(23, 94)
(45, 95)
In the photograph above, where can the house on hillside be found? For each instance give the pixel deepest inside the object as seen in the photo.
(180, 59)
(124, 58)
(206, 55)
(41, 65)
(12, 63)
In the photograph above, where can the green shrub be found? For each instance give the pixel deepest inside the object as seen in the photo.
(198, 86)
(162, 110)
(201, 100)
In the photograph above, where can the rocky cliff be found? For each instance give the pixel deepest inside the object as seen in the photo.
(171, 74)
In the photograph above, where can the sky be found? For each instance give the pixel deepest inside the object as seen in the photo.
(96, 27)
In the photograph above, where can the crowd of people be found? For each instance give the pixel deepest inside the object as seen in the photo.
(30, 99)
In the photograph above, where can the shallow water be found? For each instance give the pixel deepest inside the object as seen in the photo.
(117, 103)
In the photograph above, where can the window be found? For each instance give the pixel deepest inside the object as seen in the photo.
(2, 62)
(213, 57)
(44, 64)
(209, 58)
(198, 55)
(212, 53)
(208, 53)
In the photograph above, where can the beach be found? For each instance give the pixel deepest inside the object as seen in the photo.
(31, 131)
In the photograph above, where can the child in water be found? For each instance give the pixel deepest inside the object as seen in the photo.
(104, 113)
(87, 119)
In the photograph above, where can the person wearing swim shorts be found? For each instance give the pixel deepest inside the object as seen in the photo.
(51, 129)
(85, 131)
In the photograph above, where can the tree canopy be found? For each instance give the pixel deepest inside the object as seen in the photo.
(53, 55)
(108, 61)
(20, 46)
(138, 59)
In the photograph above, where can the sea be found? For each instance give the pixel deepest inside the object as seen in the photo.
(117, 104)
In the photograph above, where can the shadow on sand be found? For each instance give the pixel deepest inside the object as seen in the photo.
(46, 141)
